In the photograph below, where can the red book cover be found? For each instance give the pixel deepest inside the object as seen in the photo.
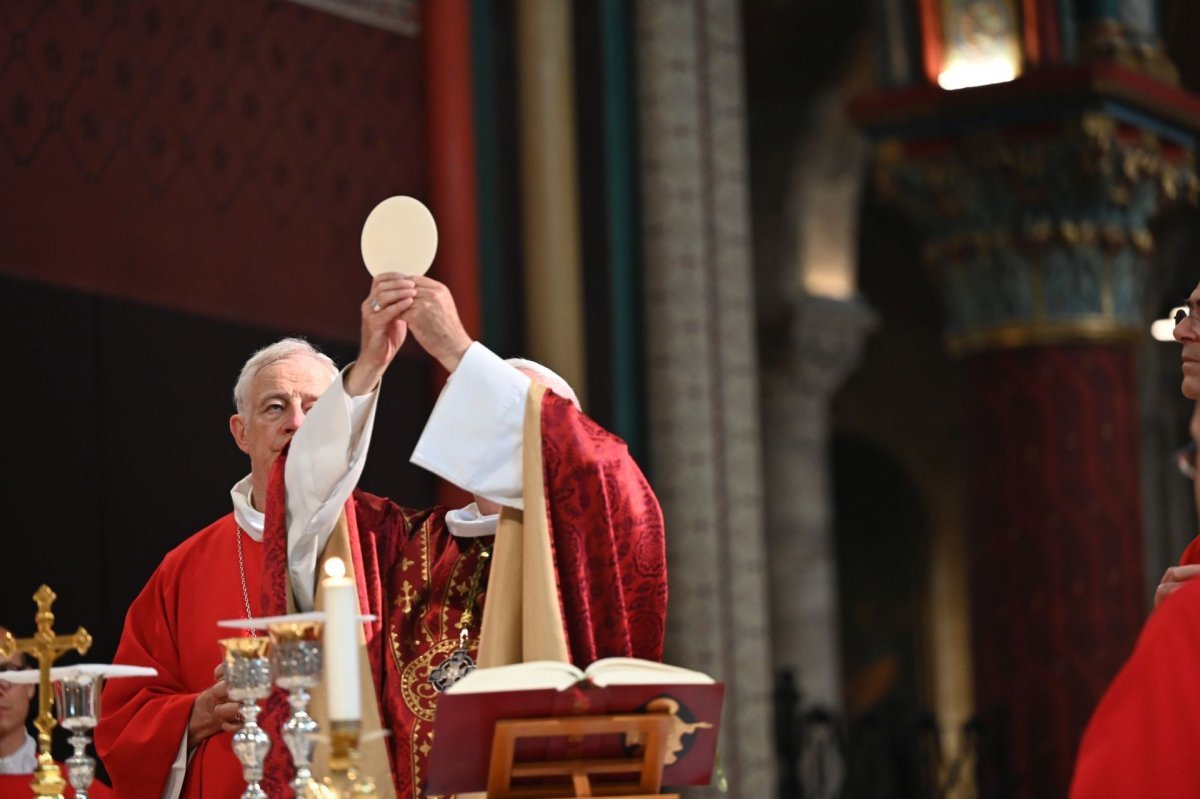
(464, 724)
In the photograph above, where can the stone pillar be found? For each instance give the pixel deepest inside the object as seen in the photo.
(1041, 243)
(701, 366)
(812, 327)
(550, 190)
(822, 343)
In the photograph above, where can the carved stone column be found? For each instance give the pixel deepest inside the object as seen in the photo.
(702, 372)
(816, 347)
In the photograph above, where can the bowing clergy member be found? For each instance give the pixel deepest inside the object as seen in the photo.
(561, 557)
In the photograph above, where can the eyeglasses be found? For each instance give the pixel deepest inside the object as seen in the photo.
(1177, 315)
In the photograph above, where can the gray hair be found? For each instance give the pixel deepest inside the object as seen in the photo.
(548, 377)
(273, 353)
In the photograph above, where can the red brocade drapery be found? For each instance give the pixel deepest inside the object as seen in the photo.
(609, 558)
(1055, 534)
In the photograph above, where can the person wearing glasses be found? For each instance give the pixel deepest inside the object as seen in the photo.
(1144, 736)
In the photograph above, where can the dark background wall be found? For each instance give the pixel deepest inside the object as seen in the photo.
(116, 445)
(180, 184)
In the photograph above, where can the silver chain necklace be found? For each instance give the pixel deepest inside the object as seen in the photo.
(245, 591)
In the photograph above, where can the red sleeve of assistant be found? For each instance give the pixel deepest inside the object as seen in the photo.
(1142, 739)
(144, 718)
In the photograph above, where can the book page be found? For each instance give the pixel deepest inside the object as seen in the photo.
(634, 671)
(538, 674)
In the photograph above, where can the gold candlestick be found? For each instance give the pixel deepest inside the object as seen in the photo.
(345, 781)
(45, 647)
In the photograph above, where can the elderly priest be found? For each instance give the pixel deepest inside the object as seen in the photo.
(573, 505)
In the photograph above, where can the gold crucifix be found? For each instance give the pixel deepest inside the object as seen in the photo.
(45, 647)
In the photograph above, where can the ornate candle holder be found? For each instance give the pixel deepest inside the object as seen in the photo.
(345, 781)
(77, 700)
(296, 657)
(248, 675)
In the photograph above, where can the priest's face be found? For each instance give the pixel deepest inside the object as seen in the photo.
(1187, 333)
(280, 396)
(14, 699)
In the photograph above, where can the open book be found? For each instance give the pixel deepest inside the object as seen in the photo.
(560, 676)
(468, 711)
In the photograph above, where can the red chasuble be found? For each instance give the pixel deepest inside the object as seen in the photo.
(425, 585)
(172, 627)
(1144, 738)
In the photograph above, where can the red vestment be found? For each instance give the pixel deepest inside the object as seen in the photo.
(1144, 737)
(419, 580)
(609, 550)
(172, 627)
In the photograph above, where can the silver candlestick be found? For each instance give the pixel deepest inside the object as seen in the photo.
(296, 657)
(77, 699)
(248, 675)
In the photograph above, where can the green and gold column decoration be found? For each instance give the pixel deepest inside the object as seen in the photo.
(1040, 239)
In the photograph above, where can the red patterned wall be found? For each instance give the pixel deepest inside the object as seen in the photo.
(216, 157)
(1055, 525)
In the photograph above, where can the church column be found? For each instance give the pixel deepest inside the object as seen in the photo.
(822, 342)
(550, 190)
(1039, 235)
(701, 366)
(1036, 195)
(812, 328)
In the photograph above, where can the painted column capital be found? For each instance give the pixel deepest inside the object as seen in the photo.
(1040, 234)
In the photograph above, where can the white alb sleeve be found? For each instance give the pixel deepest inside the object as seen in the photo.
(173, 787)
(325, 462)
(473, 437)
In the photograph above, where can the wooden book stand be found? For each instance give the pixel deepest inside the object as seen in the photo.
(649, 729)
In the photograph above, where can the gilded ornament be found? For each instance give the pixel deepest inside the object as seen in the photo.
(1142, 239)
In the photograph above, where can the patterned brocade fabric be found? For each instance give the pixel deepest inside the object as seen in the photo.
(425, 585)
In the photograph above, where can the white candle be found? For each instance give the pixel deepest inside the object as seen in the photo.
(341, 643)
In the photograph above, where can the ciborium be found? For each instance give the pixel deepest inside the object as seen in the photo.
(296, 657)
(248, 677)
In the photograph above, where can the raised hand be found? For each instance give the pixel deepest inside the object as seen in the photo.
(434, 323)
(383, 330)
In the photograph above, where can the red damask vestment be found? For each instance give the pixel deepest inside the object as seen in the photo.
(423, 584)
(426, 585)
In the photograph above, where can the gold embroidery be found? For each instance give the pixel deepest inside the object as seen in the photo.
(418, 694)
(468, 617)
(407, 594)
